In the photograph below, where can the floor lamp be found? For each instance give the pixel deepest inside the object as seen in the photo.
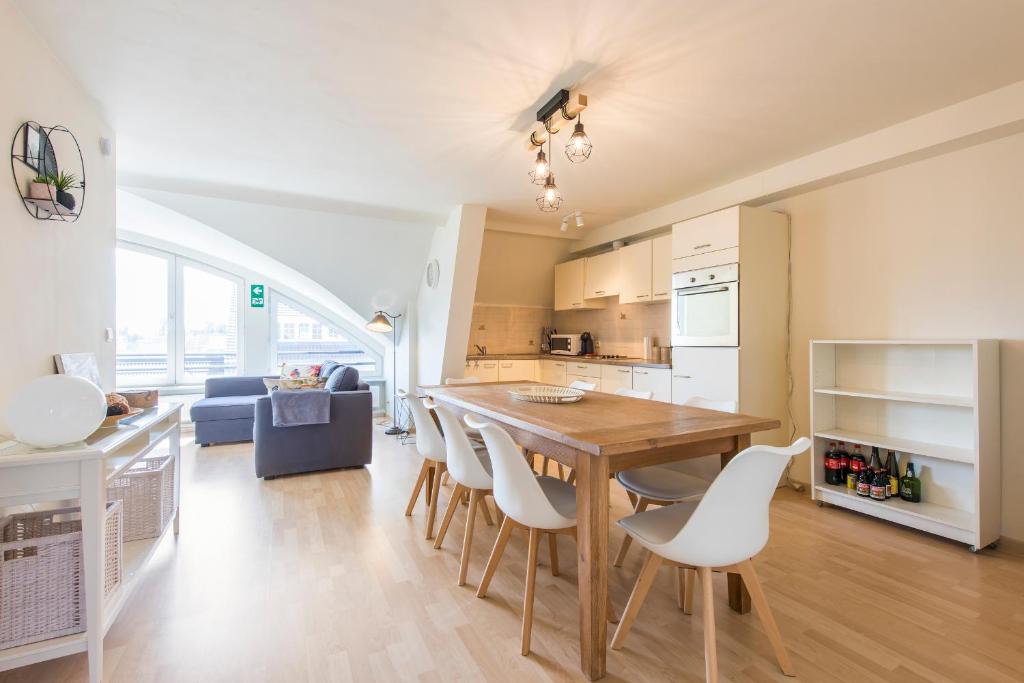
(383, 322)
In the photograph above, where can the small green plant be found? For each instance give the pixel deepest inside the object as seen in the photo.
(63, 181)
(43, 180)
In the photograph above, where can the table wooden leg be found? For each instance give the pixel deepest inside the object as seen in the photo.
(592, 550)
(739, 598)
(93, 501)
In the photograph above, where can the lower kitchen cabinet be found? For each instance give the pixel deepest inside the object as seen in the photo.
(658, 381)
(596, 381)
(614, 377)
(711, 373)
(484, 370)
(517, 370)
(553, 372)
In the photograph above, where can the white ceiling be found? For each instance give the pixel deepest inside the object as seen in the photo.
(414, 107)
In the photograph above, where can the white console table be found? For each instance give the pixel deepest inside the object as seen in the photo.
(30, 475)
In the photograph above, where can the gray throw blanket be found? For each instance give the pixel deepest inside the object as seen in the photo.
(302, 407)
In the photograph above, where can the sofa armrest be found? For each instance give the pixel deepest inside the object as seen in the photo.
(235, 386)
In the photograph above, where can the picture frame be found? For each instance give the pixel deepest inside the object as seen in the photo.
(82, 365)
(38, 151)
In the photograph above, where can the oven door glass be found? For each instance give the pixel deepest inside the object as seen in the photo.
(706, 316)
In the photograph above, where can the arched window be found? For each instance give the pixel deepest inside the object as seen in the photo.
(301, 337)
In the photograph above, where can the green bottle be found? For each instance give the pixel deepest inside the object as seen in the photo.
(910, 485)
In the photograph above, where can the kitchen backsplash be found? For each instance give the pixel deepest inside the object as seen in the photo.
(508, 329)
(620, 328)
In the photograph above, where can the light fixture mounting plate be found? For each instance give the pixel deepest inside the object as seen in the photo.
(553, 106)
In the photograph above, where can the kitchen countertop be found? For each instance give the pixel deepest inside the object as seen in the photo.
(638, 362)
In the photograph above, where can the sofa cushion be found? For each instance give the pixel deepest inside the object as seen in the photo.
(224, 408)
(344, 378)
(327, 367)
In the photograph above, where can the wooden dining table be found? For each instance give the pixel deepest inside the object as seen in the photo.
(598, 436)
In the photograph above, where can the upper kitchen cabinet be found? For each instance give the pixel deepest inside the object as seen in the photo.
(635, 277)
(705, 241)
(601, 275)
(661, 268)
(569, 287)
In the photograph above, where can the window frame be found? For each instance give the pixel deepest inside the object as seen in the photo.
(176, 313)
(274, 299)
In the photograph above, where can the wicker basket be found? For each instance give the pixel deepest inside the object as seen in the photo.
(42, 577)
(147, 492)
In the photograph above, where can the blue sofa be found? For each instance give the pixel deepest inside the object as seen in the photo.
(226, 413)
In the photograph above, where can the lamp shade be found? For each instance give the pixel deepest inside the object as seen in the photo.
(56, 409)
(380, 323)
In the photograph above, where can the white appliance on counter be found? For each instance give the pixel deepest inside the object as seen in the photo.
(566, 344)
(706, 306)
(727, 344)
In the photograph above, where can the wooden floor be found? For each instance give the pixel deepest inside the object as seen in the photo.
(322, 578)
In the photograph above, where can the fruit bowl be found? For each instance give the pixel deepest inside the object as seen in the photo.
(543, 393)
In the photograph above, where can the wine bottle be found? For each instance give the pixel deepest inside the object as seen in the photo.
(893, 465)
(910, 486)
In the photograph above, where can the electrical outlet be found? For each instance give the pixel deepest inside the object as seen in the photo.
(108, 334)
(622, 316)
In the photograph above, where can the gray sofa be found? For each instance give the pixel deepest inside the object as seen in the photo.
(238, 409)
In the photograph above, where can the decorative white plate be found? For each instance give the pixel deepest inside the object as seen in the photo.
(546, 394)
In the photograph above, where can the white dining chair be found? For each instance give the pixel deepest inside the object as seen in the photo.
(538, 503)
(584, 386)
(470, 469)
(722, 531)
(664, 485)
(464, 380)
(634, 393)
(431, 447)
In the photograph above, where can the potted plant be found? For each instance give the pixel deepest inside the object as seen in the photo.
(64, 181)
(41, 187)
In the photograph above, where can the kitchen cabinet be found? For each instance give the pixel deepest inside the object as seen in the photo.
(635, 271)
(661, 268)
(708, 233)
(658, 381)
(708, 372)
(517, 370)
(569, 287)
(601, 275)
(615, 377)
(484, 370)
(583, 369)
(553, 372)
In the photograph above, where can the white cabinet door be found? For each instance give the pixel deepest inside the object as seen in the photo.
(553, 372)
(517, 370)
(712, 232)
(569, 285)
(635, 273)
(658, 381)
(486, 370)
(661, 268)
(601, 276)
(616, 377)
(711, 373)
(583, 369)
(596, 381)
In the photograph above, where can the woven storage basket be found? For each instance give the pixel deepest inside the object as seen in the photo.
(146, 491)
(42, 577)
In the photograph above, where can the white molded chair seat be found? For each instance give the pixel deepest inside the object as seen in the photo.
(662, 484)
(660, 525)
(560, 494)
(583, 386)
(634, 393)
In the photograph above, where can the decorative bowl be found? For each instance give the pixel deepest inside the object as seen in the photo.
(543, 393)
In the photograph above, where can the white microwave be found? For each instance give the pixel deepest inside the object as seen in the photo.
(566, 344)
(705, 307)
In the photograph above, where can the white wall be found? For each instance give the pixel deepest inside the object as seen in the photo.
(57, 279)
(444, 312)
(518, 269)
(369, 263)
(933, 249)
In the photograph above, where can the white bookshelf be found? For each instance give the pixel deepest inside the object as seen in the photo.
(934, 402)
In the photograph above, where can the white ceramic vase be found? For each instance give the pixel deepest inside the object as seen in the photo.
(55, 410)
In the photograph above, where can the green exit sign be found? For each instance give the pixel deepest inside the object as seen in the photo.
(256, 296)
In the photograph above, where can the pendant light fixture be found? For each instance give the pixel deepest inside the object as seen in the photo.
(539, 174)
(578, 148)
(550, 199)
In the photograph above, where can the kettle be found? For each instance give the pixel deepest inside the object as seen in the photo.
(586, 344)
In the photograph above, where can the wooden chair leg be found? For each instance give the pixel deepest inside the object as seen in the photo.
(435, 492)
(544, 465)
(636, 599)
(484, 509)
(764, 613)
(628, 540)
(504, 533)
(691, 588)
(571, 479)
(531, 579)
(420, 479)
(632, 499)
(498, 514)
(449, 511)
(430, 483)
(708, 604)
(467, 541)
(553, 553)
(444, 479)
(561, 470)
(680, 587)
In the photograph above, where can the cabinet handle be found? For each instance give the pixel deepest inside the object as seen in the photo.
(506, 365)
(641, 372)
(600, 291)
(661, 294)
(582, 367)
(576, 304)
(701, 246)
(623, 370)
(682, 376)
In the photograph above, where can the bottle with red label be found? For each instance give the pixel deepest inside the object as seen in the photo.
(857, 465)
(833, 470)
(844, 461)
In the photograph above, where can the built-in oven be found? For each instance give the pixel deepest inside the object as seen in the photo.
(706, 307)
(566, 344)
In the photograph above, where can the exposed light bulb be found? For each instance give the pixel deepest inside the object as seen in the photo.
(578, 148)
(541, 168)
(550, 199)
(549, 193)
(579, 219)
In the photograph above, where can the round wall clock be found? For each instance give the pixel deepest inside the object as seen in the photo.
(433, 273)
